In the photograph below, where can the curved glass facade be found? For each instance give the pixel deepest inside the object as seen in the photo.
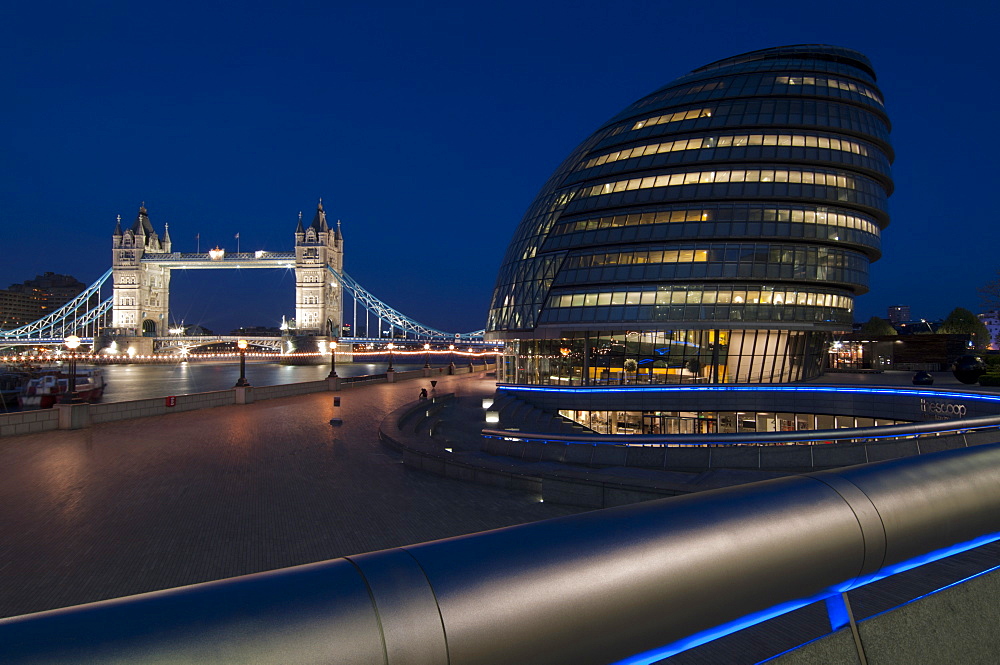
(716, 230)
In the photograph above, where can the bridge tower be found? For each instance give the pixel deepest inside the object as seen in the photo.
(141, 290)
(318, 304)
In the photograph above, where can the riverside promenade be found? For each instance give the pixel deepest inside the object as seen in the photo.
(138, 505)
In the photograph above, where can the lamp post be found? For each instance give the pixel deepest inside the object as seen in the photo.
(333, 359)
(242, 382)
(451, 359)
(72, 343)
(427, 356)
(390, 346)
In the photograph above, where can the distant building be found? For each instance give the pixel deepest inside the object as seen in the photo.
(34, 298)
(899, 314)
(992, 322)
(17, 308)
(915, 352)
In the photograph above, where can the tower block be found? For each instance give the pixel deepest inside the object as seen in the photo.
(318, 303)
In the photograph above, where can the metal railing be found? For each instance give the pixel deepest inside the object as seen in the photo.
(597, 587)
(91, 311)
(393, 317)
(83, 315)
(882, 433)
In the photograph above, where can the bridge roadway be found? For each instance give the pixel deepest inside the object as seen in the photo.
(134, 506)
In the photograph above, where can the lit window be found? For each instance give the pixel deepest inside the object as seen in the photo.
(727, 141)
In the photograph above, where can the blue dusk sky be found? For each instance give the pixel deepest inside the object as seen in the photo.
(429, 128)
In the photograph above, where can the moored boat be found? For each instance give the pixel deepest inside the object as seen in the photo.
(11, 384)
(43, 391)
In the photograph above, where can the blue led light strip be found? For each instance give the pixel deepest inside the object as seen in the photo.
(742, 388)
(867, 433)
(705, 636)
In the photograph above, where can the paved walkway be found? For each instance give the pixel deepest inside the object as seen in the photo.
(942, 380)
(140, 505)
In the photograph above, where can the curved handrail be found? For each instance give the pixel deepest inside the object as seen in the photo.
(762, 438)
(596, 587)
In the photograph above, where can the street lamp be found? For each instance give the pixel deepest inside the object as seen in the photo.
(72, 342)
(242, 382)
(390, 346)
(333, 359)
(427, 356)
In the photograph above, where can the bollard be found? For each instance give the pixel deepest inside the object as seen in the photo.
(336, 420)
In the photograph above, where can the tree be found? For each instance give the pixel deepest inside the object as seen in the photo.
(877, 327)
(631, 365)
(989, 293)
(963, 322)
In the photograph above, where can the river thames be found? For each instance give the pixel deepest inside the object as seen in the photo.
(129, 382)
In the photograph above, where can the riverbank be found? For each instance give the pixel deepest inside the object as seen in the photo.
(79, 416)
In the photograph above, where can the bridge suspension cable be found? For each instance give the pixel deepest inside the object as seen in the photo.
(84, 315)
(89, 312)
(392, 317)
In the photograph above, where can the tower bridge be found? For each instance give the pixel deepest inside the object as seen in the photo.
(130, 302)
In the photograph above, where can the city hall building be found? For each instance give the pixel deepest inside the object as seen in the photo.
(715, 231)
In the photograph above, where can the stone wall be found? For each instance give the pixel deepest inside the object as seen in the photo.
(84, 415)
(157, 406)
(28, 422)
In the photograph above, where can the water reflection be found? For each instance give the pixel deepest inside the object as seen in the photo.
(128, 382)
